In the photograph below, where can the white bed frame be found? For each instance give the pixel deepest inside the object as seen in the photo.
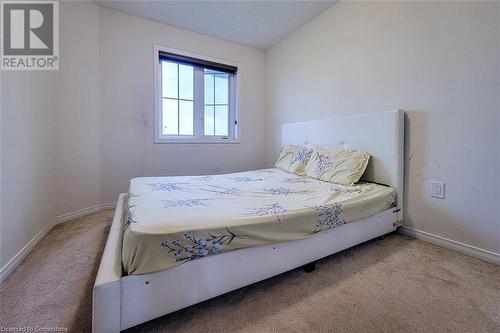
(120, 302)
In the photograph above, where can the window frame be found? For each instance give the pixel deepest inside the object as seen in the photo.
(198, 126)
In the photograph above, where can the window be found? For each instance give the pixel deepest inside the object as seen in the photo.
(195, 98)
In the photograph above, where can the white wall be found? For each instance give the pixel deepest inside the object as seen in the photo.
(27, 162)
(50, 134)
(72, 139)
(77, 97)
(440, 62)
(127, 148)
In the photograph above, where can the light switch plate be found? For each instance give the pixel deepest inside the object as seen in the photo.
(437, 190)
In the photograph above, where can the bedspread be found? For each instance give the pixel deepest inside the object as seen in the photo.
(172, 220)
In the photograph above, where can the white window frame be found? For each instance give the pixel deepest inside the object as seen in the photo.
(234, 117)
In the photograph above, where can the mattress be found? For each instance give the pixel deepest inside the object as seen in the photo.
(173, 220)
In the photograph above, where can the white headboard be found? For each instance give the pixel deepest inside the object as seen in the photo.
(381, 134)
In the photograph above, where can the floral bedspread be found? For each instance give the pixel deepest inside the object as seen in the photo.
(172, 220)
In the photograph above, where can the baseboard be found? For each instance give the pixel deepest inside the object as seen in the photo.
(79, 213)
(83, 212)
(110, 205)
(18, 258)
(434, 239)
(452, 245)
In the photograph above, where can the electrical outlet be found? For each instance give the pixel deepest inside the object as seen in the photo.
(437, 190)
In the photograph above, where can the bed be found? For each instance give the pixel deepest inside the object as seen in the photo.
(177, 241)
(173, 220)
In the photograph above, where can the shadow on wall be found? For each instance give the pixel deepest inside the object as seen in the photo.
(415, 127)
(420, 171)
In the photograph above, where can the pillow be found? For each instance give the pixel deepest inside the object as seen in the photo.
(337, 166)
(293, 159)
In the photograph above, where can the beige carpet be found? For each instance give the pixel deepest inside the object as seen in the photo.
(391, 284)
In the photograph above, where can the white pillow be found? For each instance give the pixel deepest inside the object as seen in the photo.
(337, 165)
(293, 159)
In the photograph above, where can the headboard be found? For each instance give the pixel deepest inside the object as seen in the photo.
(381, 134)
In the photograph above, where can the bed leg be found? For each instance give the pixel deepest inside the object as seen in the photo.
(310, 267)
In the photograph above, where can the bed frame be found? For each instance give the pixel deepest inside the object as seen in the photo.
(120, 302)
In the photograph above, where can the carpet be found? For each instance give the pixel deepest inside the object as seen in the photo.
(390, 284)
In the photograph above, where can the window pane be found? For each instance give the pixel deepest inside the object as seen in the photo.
(170, 117)
(209, 120)
(186, 82)
(221, 120)
(221, 89)
(209, 89)
(185, 118)
(169, 79)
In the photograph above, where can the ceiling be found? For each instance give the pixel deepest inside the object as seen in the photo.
(259, 24)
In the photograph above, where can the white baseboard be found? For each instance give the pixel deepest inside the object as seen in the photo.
(452, 245)
(79, 213)
(83, 212)
(18, 258)
(110, 205)
(434, 239)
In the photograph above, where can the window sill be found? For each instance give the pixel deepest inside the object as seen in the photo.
(181, 141)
